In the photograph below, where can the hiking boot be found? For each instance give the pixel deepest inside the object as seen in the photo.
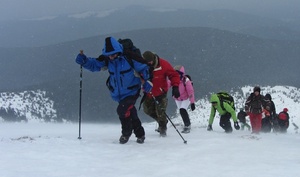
(162, 131)
(140, 140)
(158, 129)
(186, 129)
(123, 139)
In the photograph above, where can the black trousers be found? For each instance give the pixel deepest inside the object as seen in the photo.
(128, 117)
(225, 122)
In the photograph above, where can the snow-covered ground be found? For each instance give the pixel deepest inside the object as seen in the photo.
(39, 149)
(54, 150)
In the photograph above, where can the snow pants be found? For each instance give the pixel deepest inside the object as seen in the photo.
(128, 117)
(157, 111)
(182, 106)
(283, 125)
(225, 122)
(266, 125)
(255, 120)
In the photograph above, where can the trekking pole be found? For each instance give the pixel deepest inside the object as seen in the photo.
(80, 93)
(296, 127)
(157, 103)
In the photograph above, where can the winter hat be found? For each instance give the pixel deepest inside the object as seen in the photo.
(285, 110)
(177, 67)
(256, 89)
(268, 96)
(111, 46)
(149, 57)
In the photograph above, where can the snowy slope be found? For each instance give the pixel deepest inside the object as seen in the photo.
(53, 150)
(27, 105)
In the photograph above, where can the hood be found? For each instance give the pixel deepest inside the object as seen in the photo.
(268, 96)
(214, 98)
(179, 68)
(111, 46)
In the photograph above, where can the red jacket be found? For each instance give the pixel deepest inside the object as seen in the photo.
(161, 74)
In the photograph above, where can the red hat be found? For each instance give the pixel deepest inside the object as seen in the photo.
(285, 109)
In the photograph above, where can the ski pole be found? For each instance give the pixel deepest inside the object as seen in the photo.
(80, 95)
(296, 127)
(157, 103)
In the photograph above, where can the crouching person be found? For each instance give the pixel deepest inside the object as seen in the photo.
(283, 120)
(226, 112)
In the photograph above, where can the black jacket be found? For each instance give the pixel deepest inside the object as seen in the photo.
(255, 104)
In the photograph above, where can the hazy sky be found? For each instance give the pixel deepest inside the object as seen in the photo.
(20, 9)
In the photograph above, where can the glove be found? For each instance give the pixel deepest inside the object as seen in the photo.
(236, 125)
(209, 128)
(147, 86)
(101, 58)
(81, 59)
(193, 106)
(175, 91)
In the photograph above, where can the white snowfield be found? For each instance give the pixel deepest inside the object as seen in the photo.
(36, 149)
(54, 150)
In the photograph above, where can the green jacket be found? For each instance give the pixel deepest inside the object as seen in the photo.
(217, 107)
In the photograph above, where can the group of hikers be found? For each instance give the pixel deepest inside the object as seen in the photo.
(131, 72)
(260, 109)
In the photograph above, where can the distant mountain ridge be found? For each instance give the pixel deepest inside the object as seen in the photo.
(216, 60)
(53, 30)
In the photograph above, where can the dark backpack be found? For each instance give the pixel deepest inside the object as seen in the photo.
(128, 46)
(225, 97)
(189, 77)
(130, 52)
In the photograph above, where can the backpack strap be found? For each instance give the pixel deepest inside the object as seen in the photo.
(130, 62)
(221, 102)
(185, 77)
(184, 80)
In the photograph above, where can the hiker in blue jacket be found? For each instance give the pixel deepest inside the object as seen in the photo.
(124, 85)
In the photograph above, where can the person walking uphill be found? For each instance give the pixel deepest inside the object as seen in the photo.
(123, 84)
(162, 71)
(283, 120)
(186, 98)
(270, 122)
(254, 106)
(226, 112)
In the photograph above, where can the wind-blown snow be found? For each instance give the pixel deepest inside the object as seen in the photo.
(53, 150)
